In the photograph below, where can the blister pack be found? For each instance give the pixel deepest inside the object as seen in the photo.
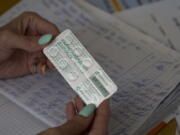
(79, 68)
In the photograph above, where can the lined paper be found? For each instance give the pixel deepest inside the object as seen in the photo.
(144, 70)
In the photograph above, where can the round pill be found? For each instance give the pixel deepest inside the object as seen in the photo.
(87, 62)
(53, 51)
(62, 63)
(72, 76)
(78, 51)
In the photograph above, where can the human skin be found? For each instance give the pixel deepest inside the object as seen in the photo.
(95, 124)
(19, 52)
(19, 49)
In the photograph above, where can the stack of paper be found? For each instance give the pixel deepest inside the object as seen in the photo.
(145, 71)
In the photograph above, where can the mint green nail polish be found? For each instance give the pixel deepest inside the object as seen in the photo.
(88, 110)
(45, 39)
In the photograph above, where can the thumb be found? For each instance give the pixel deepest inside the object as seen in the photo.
(80, 123)
(12, 40)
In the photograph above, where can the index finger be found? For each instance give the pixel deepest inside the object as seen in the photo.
(31, 24)
(38, 25)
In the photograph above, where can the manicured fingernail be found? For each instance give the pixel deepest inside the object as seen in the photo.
(88, 110)
(45, 39)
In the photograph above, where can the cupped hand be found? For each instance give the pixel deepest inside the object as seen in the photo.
(19, 49)
(95, 124)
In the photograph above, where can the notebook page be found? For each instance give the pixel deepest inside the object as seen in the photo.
(140, 70)
(15, 120)
(156, 21)
(3, 100)
(171, 101)
(168, 106)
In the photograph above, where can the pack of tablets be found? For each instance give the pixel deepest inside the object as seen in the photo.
(79, 68)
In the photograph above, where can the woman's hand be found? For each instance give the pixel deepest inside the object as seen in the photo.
(82, 124)
(20, 53)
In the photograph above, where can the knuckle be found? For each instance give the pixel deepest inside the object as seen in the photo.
(29, 14)
(32, 43)
(5, 35)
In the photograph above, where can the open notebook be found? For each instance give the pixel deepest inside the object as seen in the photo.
(145, 70)
(156, 21)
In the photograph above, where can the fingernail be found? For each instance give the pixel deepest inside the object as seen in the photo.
(88, 110)
(43, 69)
(45, 39)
